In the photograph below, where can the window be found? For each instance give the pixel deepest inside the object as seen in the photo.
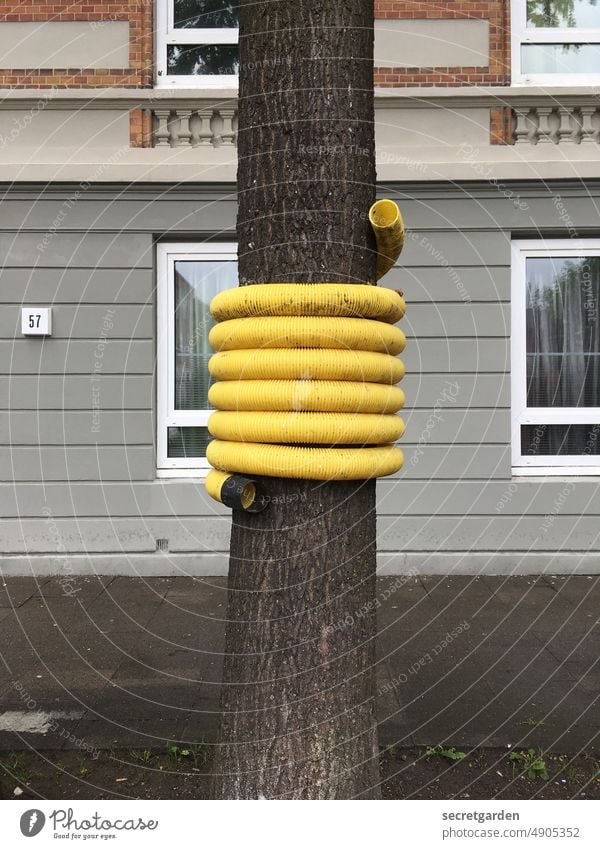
(556, 357)
(197, 42)
(188, 278)
(556, 42)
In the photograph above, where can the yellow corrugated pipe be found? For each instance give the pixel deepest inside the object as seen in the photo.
(329, 300)
(325, 396)
(388, 227)
(304, 365)
(307, 331)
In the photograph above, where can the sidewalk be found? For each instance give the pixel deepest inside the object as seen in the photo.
(128, 662)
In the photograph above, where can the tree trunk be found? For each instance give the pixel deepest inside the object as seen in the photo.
(299, 675)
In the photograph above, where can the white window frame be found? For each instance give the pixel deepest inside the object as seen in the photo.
(167, 416)
(167, 34)
(522, 34)
(521, 413)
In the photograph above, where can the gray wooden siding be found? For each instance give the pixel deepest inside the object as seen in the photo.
(454, 356)
(33, 357)
(54, 427)
(71, 482)
(101, 288)
(70, 391)
(59, 248)
(70, 285)
(396, 497)
(87, 321)
(77, 463)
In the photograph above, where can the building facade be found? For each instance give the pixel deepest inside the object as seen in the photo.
(117, 225)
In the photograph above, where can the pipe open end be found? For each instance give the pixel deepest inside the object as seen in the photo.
(384, 213)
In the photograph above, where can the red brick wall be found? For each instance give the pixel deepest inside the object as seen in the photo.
(140, 128)
(140, 73)
(137, 12)
(497, 12)
(501, 125)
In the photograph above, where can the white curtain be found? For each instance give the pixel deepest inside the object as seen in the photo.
(563, 341)
(196, 283)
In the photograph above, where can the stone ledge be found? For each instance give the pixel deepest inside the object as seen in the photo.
(389, 563)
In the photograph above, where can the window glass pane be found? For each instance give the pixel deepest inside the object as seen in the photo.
(187, 442)
(563, 332)
(196, 282)
(560, 58)
(560, 439)
(195, 60)
(204, 14)
(563, 13)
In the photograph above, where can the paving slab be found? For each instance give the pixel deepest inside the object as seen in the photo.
(136, 662)
(16, 591)
(145, 733)
(82, 587)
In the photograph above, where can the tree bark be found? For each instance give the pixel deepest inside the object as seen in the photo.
(298, 717)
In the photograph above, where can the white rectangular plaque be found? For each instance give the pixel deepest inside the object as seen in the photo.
(36, 321)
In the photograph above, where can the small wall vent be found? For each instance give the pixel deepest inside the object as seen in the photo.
(162, 544)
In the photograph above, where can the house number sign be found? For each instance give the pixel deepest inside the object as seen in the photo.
(36, 321)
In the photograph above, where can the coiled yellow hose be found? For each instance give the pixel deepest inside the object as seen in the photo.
(307, 365)
(388, 228)
(325, 299)
(326, 396)
(307, 428)
(359, 334)
(318, 464)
